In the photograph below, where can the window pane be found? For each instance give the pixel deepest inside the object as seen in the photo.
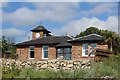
(44, 35)
(86, 52)
(31, 47)
(93, 45)
(67, 50)
(58, 55)
(45, 54)
(45, 47)
(67, 56)
(85, 46)
(31, 54)
(60, 50)
(31, 51)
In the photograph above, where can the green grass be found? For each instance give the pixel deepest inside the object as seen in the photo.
(108, 67)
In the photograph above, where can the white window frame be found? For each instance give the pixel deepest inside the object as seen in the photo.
(83, 50)
(96, 46)
(43, 52)
(31, 50)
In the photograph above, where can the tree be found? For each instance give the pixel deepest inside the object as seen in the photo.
(4, 44)
(11, 42)
(90, 30)
(7, 45)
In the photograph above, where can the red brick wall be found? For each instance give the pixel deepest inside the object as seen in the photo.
(33, 35)
(38, 53)
(22, 53)
(52, 53)
(77, 50)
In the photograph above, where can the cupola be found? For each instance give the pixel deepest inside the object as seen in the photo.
(40, 32)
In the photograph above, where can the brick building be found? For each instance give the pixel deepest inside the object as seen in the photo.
(46, 46)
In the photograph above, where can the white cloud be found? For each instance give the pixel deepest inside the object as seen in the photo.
(101, 8)
(44, 11)
(76, 26)
(12, 32)
(57, 11)
(22, 16)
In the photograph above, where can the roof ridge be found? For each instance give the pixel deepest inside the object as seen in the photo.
(89, 35)
(40, 27)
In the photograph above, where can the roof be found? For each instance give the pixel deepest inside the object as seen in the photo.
(40, 28)
(64, 44)
(46, 41)
(91, 38)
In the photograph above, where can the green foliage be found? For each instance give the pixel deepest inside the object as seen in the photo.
(7, 45)
(90, 30)
(10, 72)
(4, 44)
(108, 67)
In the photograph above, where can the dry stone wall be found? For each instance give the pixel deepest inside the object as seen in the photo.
(68, 65)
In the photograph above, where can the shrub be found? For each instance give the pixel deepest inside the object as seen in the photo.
(108, 67)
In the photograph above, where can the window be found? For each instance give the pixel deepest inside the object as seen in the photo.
(85, 50)
(45, 52)
(93, 46)
(60, 50)
(44, 35)
(31, 53)
(65, 52)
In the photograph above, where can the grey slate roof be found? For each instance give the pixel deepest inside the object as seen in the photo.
(45, 41)
(89, 38)
(40, 28)
(64, 44)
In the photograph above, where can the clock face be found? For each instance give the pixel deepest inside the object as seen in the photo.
(37, 35)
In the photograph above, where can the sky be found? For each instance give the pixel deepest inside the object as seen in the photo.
(61, 18)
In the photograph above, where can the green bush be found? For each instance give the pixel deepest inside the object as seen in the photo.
(108, 67)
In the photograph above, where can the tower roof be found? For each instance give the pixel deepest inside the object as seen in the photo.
(40, 28)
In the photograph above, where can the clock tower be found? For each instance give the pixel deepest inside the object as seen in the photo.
(40, 32)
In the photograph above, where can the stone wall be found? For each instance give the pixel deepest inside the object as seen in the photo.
(49, 64)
